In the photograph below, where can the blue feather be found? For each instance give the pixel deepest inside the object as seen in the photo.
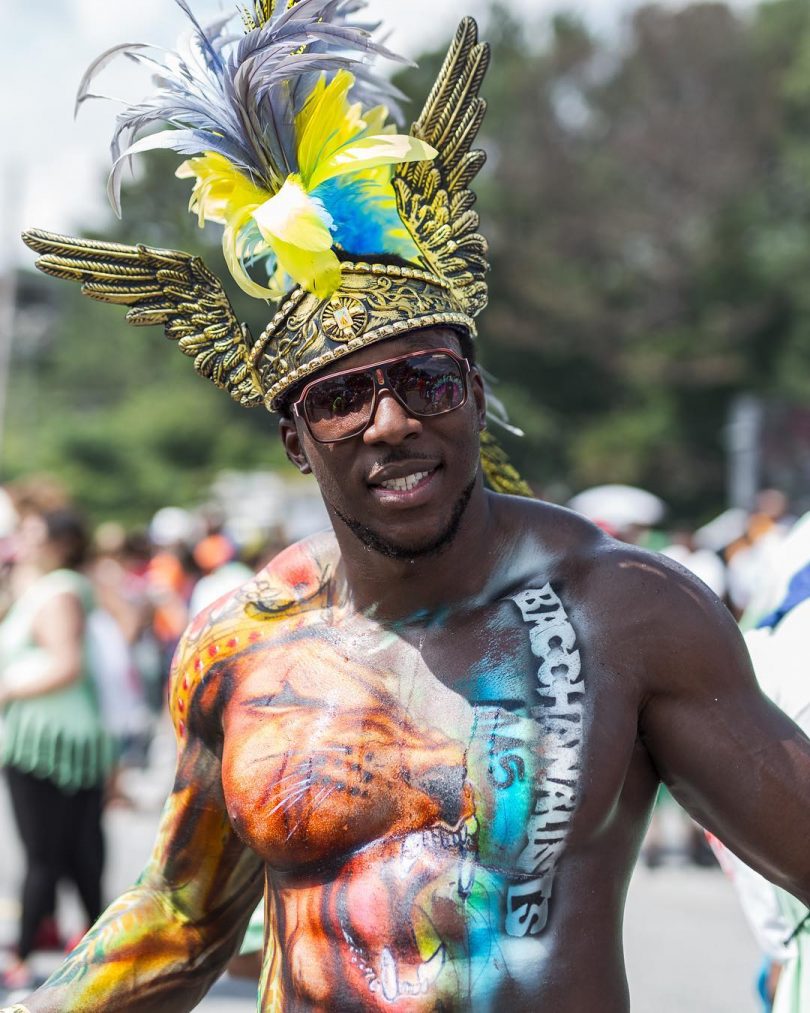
(365, 219)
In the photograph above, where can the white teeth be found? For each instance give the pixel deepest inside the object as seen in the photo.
(405, 484)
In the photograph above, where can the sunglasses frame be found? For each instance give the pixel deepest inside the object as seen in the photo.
(379, 378)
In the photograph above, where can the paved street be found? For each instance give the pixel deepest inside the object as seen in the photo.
(688, 950)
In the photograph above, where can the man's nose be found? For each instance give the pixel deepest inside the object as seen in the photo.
(391, 423)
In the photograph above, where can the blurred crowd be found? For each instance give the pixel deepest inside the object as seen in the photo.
(147, 583)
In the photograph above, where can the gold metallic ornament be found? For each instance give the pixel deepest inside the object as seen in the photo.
(500, 473)
(436, 204)
(162, 287)
(383, 301)
(434, 198)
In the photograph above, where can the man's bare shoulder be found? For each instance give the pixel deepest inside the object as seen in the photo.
(296, 582)
(580, 554)
(549, 540)
(298, 577)
(301, 578)
(661, 624)
(650, 617)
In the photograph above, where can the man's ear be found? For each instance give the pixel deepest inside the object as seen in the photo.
(292, 445)
(479, 396)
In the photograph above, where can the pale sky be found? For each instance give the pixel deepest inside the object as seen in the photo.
(52, 167)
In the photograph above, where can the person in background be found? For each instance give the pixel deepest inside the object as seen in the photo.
(115, 627)
(54, 748)
(170, 576)
(777, 625)
(704, 563)
(222, 571)
(751, 556)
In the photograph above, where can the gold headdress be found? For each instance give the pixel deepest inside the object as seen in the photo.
(360, 233)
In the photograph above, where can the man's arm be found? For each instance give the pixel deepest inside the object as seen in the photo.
(735, 761)
(163, 943)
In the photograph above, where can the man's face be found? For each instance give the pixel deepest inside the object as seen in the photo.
(361, 479)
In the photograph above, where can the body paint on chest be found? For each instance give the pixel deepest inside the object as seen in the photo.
(561, 690)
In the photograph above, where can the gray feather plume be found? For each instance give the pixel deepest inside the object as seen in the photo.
(238, 95)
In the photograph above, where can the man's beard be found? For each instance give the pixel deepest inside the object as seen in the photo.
(395, 550)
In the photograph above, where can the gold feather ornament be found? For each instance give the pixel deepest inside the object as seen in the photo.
(360, 233)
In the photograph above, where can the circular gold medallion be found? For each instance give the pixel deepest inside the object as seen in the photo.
(344, 319)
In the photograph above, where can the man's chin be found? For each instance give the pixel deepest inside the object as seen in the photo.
(407, 549)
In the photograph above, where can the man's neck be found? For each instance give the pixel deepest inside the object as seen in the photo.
(401, 589)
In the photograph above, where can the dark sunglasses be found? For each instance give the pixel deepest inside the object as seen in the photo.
(426, 383)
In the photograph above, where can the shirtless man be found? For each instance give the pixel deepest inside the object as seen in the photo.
(435, 737)
(432, 738)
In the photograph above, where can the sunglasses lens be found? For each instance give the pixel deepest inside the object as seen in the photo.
(429, 384)
(339, 407)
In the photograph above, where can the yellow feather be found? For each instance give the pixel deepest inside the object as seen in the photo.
(232, 249)
(297, 227)
(335, 138)
(365, 153)
(221, 190)
(316, 271)
(326, 121)
(294, 217)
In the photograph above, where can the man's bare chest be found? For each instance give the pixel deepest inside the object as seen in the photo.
(469, 734)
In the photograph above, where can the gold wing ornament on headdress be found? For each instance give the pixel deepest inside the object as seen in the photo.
(162, 287)
(434, 198)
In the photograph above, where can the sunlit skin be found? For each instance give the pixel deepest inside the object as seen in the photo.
(367, 740)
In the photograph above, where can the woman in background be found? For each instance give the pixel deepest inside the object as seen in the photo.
(54, 748)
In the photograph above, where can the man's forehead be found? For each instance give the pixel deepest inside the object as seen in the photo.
(389, 348)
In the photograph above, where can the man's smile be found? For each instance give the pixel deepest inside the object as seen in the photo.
(406, 483)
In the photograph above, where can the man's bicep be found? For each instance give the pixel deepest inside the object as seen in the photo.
(198, 861)
(736, 762)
